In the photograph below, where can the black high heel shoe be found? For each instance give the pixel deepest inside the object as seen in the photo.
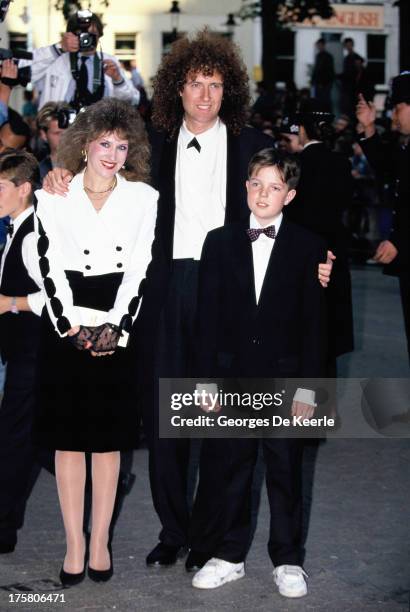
(67, 579)
(102, 575)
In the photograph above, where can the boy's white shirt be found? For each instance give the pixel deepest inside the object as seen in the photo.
(35, 300)
(261, 252)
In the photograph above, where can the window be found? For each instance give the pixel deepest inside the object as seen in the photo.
(17, 40)
(285, 58)
(126, 45)
(376, 57)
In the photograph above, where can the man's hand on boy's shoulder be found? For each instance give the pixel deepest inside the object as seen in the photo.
(57, 181)
(300, 409)
(325, 269)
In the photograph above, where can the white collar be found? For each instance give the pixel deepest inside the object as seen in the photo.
(276, 221)
(203, 137)
(21, 217)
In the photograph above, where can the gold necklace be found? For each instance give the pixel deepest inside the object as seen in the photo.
(101, 193)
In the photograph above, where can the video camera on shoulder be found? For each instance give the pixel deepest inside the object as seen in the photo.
(23, 74)
(87, 40)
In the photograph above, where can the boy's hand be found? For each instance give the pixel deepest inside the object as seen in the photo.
(300, 409)
(5, 303)
(57, 181)
(206, 405)
(325, 269)
(386, 252)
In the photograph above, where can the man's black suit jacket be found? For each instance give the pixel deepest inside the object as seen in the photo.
(394, 160)
(281, 336)
(324, 191)
(240, 149)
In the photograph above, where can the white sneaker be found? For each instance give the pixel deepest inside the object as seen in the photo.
(290, 580)
(217, 572)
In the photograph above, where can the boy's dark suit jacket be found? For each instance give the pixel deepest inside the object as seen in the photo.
(281, 336)
(240, 149)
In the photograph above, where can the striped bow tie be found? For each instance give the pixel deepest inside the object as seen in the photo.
(255, 233)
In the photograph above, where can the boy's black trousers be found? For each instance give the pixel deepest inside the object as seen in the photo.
(17, 458)
(221, 519)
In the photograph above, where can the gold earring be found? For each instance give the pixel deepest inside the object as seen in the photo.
(84, 154)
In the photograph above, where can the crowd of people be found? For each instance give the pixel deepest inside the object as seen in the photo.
(210, 242)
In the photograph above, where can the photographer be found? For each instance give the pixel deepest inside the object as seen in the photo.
(51, 127)
(14, 132)
(75, 72)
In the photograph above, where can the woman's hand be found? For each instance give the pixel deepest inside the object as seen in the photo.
(57, 181)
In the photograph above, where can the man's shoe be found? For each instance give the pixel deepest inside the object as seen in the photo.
(290, 580)
(7, 547)
(217, 572)
(196, 560)
(163, 555)
(8, 542)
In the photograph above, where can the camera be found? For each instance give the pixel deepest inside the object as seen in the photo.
(86, 39)
(65, 117)
(23, 74)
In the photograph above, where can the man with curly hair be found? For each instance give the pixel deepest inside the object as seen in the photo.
(201, 148)
(200, 151)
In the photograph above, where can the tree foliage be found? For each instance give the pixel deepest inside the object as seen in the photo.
(276, 14)
(287, 11)
(68, 7)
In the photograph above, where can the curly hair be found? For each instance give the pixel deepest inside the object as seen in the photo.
(107, 116)
(206, 53)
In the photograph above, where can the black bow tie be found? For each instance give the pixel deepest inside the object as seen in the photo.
(10, 229)
(254, 234)
(194, 143)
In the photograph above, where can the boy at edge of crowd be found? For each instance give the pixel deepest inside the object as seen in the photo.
(261, 316)
(21, 303)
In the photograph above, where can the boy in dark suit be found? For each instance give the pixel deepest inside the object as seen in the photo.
(20, 302)
(261, 315)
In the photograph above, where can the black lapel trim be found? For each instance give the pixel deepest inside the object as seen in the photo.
(241, 250)
(166, 205)
(282, 251)
(233, 189)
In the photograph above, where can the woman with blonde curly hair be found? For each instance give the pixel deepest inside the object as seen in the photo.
(94, 247)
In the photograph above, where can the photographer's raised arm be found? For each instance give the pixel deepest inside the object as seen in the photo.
(8, 75)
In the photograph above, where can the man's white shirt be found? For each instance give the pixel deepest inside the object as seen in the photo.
(200, 188)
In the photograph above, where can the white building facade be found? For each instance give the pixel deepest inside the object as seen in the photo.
(141, 30)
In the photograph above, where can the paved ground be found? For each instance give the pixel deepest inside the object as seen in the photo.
(358, 538)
